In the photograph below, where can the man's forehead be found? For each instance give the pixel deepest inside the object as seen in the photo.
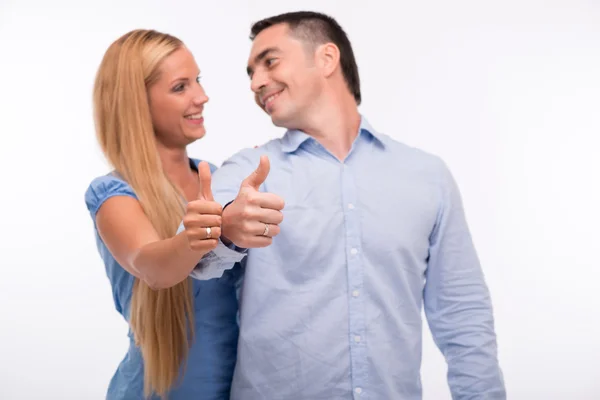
(272, 37)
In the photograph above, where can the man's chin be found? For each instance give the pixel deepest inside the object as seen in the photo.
(281, 122)
(278, 123)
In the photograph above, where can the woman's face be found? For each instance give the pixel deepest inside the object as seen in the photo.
(177, 101)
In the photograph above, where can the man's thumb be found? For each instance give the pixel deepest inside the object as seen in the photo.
(260, 174)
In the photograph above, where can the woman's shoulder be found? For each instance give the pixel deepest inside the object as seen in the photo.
(103, 188)
(112, 184)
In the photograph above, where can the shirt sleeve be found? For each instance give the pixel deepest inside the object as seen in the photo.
(102, 189)
(457, 303)
(216, 262)
(225, 185)
(228, 178)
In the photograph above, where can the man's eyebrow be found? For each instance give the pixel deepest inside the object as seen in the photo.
(261, 56)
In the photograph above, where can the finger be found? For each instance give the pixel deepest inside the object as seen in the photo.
(258, 177)
(204, 207)
(268, 216)
(264, 200)
(270, 201)
(204, 245)
(215, 232)
(256, 228)
(274, 230)
(258, 241)
(202, 234)
(205, 182)
(201, 221)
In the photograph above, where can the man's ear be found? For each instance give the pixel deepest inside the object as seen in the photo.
(328, 58)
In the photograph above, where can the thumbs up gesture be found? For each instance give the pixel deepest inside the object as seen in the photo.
(202, 220)
(253, 218)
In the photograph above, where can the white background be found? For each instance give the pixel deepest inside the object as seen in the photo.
(508, 93)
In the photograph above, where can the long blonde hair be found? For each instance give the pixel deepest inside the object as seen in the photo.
(162, 320)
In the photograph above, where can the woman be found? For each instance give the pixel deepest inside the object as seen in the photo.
(148, 106)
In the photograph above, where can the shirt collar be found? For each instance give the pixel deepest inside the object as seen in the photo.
(293, 139)
(365, 126)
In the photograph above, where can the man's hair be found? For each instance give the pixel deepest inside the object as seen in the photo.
(316, 28)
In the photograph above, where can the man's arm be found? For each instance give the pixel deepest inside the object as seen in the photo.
(458, 305)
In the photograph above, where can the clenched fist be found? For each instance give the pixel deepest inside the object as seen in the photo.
(253, 218)
(202, 220)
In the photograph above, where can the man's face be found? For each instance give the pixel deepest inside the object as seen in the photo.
(284, 77)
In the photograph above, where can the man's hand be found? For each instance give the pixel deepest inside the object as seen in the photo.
(253, 218)
(202, 220)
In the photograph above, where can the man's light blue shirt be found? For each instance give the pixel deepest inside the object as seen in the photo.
(332, 309)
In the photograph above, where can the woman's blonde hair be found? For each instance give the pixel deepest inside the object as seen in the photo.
(162, 320)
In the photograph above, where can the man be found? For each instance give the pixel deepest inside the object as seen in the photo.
(347, 233)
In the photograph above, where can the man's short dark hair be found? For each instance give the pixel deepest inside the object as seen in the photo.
(317, 28)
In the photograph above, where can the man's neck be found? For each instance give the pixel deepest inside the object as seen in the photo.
(334, 123)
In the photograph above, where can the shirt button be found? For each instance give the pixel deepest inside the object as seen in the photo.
(351, 206)
(358, 390)
(354, 252)
(357, 339)
(355, 293)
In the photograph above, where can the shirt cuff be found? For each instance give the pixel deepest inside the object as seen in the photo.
(217, 261)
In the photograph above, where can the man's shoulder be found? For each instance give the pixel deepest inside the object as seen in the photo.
(426, 165)
(412, 155)
(251, 155)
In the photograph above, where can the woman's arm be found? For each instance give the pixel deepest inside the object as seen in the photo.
(135, 244)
